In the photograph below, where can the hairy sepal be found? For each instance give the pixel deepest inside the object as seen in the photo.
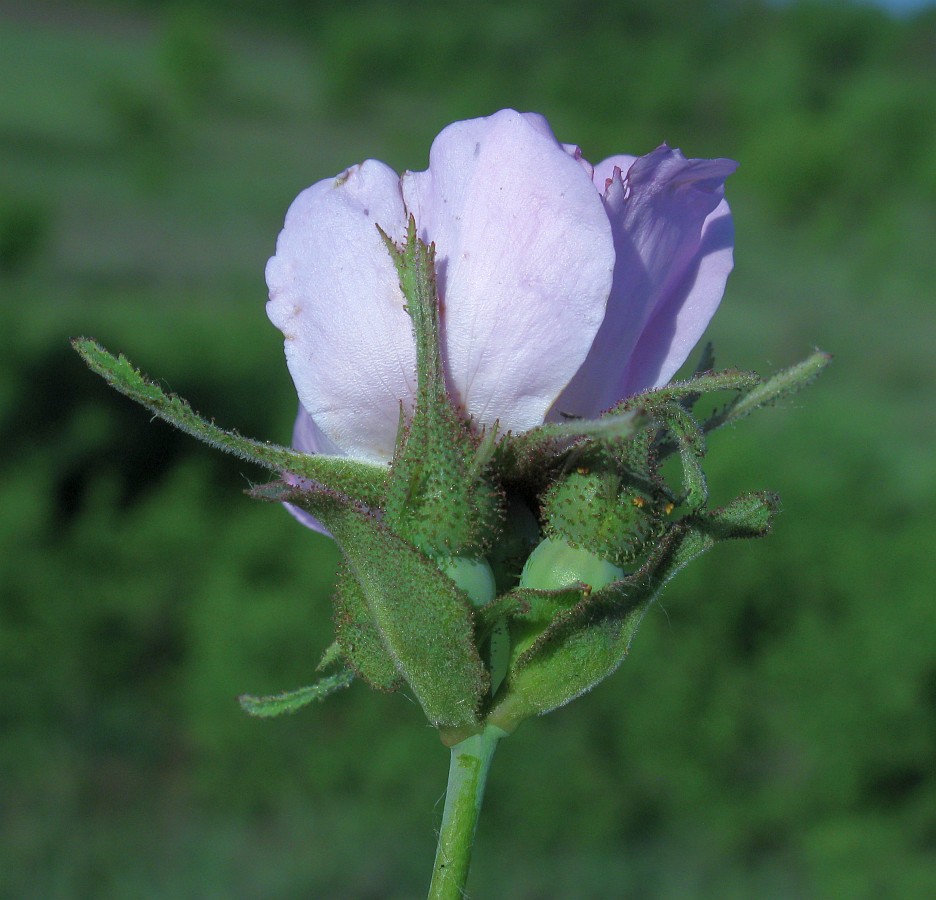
(588, 635)
(363, 481)
(424, 622)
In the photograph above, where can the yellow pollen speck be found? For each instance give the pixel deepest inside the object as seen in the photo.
(582, 470)
(638, 502)
(669, 508)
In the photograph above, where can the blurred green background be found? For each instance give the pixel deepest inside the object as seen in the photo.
(773, 733)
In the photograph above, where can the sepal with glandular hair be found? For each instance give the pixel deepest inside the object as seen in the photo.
(612, 542)
(286, 702)
(271, 705)
(604, 506)
(358, 635)
(415, 616)
(362, 480)
(588, 633)
(523, 456)
(610, 514)
(439, 497)
(783, 384)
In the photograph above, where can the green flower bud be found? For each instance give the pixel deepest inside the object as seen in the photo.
(473, 576)
(519, 535)
(556, 564)
(602, 512)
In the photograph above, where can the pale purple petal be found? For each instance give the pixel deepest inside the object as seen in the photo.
(673, 241)
(681, 317)
(308, 438)
(334, 293)
(525, 258)
(576, 153)
(606, 169)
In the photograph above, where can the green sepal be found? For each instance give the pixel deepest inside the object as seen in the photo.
(687, 391)
(699, 384)
(690, 441)
(438, 496)
(291, 701)
(424, 621)
(358, 636)
(612, 426)
(528, 606)
(748, 516)
(612, 514)
(331, 656)
(520, 455)
(363, 481)
(586, 641)
(681, 544)
(785, 383)
(534, 612)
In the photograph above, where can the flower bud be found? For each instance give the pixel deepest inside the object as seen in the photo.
(602, 512)
(556, 564)
(519, 536)
(473, 576)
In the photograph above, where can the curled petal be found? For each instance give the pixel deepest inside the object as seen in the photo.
(673, 240)
(335, 295)
(680, 317)
(308, 438)
(524, 256)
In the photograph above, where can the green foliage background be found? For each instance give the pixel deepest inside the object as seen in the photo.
(773, 733)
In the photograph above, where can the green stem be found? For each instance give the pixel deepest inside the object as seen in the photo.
(468, 770)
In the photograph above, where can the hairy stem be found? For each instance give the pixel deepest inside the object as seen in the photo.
(468, 770)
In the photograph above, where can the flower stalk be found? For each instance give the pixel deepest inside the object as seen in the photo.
(468, 770)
